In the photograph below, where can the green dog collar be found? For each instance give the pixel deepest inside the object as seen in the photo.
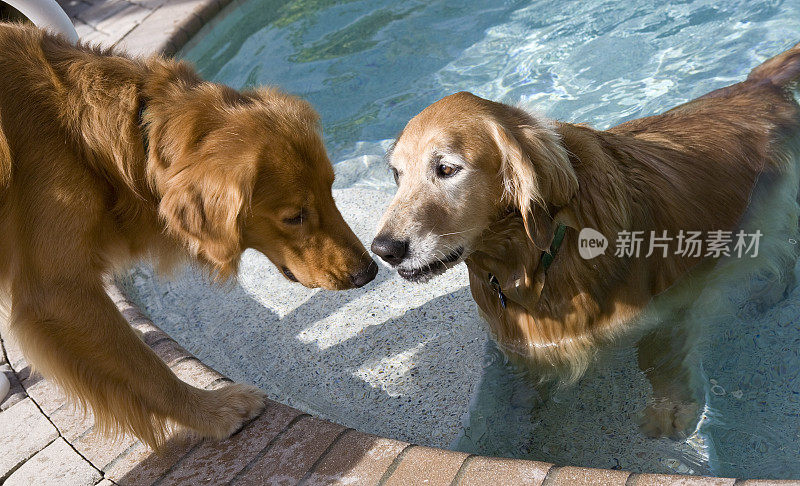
(547, 260)
(549, 256)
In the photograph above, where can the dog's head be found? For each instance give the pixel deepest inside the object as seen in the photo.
(460, 165)
(249, 170)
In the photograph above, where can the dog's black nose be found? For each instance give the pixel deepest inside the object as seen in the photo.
(365, 275)
(392, 251)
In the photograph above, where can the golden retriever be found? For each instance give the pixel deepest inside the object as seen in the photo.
(507, 192)
(105, 159)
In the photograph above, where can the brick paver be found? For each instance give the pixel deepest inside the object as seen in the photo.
(673, 480)
(478, 471)
(195, 373)
(292, 455)
(435, 467)
(57, 465)
(582, 476)
(357, 459)
(140, 466)
(45, 393)
(102, 451)
(24, 431)
(218, 463)
(71, 422)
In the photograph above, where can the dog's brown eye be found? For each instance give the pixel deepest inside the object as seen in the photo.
(445, 170)
(396, 176)
(295, 220)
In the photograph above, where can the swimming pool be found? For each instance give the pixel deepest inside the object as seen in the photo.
(414, 361)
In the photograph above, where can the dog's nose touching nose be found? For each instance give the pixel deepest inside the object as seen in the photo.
(365, 275)
(392, 251)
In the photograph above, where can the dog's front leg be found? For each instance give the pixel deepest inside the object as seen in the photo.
(672, 411)
(72, 333)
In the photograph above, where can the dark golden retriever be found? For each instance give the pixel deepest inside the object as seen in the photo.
(507, 192)
(106, 159)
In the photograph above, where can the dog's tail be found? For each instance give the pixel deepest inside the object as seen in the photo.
(782, 70)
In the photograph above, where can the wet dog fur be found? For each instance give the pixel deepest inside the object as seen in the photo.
(487, 184)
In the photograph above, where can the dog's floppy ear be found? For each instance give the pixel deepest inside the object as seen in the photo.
(536, 173)
(202, 204)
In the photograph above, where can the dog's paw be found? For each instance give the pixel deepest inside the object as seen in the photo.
(665, 417)
(231, 407)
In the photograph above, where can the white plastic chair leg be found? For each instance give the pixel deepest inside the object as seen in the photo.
(46, 14)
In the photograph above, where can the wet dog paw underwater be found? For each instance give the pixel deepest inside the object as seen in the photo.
(508, 193)
(106, 159)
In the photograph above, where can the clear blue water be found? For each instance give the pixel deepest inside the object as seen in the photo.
(368, 67)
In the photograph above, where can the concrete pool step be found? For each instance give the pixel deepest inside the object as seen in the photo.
(48, 442)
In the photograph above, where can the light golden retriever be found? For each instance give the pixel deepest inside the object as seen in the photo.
(507, 192)
(105, 159)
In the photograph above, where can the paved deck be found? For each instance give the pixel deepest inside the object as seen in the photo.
(44, 441)
(141, 27)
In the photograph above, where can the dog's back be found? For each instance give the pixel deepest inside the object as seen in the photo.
(24, 76)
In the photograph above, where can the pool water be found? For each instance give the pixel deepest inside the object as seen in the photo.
(368, 67)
